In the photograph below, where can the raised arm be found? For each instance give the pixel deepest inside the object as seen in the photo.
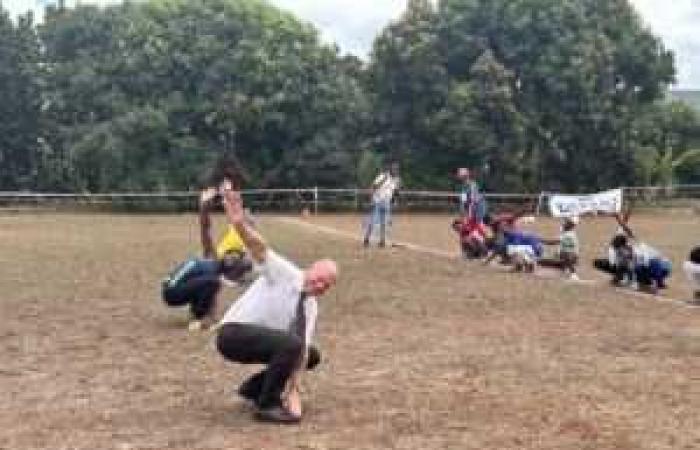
(622, 222)
(233, 205)
(205, 203)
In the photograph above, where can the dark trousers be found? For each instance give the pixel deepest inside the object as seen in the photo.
(473, 249)
(199, 292)
(654, 273)
(254, 344)
(617, 271)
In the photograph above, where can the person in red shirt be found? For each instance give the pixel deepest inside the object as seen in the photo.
(473, 237)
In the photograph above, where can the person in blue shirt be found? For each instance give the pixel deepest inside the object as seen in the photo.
(508, 243)
(523, 238)
(472, 203)
(651, 268)
(634, 260)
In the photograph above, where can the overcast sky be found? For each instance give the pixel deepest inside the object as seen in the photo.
(352, 24)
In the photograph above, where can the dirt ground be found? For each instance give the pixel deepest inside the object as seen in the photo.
(421, 352)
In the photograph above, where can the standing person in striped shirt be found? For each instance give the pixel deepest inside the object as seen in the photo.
(383, 190)
(273, 322)
(472, 203)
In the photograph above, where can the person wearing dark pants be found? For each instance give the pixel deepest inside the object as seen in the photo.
(630, 258)
(198, 289)
(253, 344)
(620, 261)
(651, 269)
(273, 322)
(197, 281)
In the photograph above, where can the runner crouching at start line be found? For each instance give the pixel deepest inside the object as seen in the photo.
(273, 322)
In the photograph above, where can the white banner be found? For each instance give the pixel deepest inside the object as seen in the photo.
(574, 205)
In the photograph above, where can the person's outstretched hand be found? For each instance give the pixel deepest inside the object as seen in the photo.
(233, 203)
(207, 195)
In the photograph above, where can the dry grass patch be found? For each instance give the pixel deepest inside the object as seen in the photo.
(420, 352)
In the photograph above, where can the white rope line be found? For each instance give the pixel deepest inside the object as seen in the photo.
(453, 256)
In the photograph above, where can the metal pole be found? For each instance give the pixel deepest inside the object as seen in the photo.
(315, 200)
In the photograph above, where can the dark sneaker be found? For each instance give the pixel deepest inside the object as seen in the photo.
(382, 244)
(277, 414)
(250, 389)
(248, 392)
(365, 243)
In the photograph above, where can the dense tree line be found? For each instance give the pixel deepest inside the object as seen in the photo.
(535, 94)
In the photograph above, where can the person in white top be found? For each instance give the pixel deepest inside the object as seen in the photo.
(692, 271)
(273, 322)
(629, 257)
(383, 189)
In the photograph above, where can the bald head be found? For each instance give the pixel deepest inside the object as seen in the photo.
(320, 276)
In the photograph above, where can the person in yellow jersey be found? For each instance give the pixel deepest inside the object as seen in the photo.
(197, 281)
(230, 242)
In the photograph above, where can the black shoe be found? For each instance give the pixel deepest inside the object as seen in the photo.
(246, 392)
(382, 244)
(250, 389)
(277, 414)
(365, 243)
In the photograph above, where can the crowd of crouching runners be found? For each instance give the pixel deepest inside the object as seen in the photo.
(629, 261)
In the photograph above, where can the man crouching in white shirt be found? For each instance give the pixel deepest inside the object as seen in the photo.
(273, 322)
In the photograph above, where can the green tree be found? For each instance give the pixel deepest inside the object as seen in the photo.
(670, 135)
(408, 84)
(546, 92)
(170, 86)
(20, 108)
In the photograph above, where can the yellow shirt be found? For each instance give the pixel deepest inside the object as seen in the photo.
(230, 242)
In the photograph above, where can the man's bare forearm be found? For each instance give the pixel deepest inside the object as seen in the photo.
(234, 212)
(253, 241)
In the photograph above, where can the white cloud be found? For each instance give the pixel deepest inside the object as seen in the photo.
(353, 24)
(677, 24)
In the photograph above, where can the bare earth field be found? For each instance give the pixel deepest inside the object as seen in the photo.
(421, 352)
